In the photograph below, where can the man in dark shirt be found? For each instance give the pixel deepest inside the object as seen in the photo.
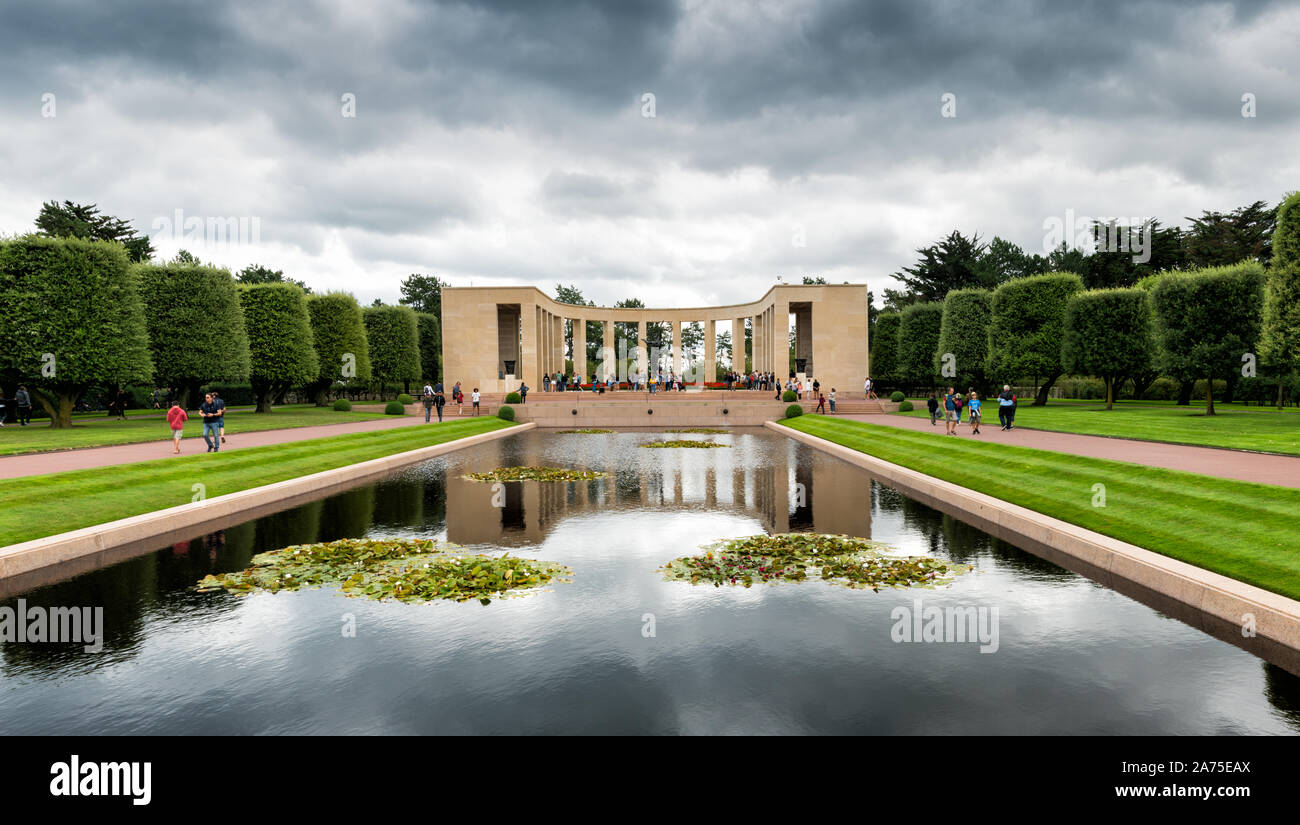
(221, 414)
(211, 414)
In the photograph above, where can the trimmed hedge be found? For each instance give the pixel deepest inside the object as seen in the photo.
(403, 398)
(789, 395)
(897, 396)
(394, 408)
(793, 411)
(905, 406)
(513, 398)
(507, 413)
(342, 405)
(918, 340)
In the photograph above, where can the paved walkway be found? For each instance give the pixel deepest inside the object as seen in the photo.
(1283, 471)
(31, 464)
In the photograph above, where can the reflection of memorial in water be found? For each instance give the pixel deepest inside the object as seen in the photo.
(801, 491)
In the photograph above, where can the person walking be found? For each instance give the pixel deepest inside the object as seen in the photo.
(523, 393)
(438, 401)
(975, 413)
(832, 401)
(176, 418)
(866, 390)
(932, 404)
(221, 415)
(474, 397)
(459, 398)
(959, 400)
(821, 404)
(546, 382)
(211, 430)
(1006, 407)
(24, 403)
(950, 412)
(427, 400)
(4, 410)
(157, 399)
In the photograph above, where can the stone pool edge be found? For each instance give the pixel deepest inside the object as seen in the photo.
(87, 543)
(1276, 617)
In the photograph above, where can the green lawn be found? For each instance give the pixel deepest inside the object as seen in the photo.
(1236, 528)
(101, 431)
(43, 505)
(1238, 427)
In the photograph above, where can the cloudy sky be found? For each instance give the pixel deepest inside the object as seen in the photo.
(513, 142)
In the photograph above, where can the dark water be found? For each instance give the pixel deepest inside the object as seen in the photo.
(1072, 656)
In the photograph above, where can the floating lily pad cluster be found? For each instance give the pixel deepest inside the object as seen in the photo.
(585, 431)
(404, 570)
(684, 443)
(843, 560)
(710, 430)
(535, 474)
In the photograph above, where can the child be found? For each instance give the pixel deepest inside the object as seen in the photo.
(176, 418)
(932, 404)
(975, 414)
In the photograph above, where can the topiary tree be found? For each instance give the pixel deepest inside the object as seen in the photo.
(73, 318)
(1026, 325)
(342, 405)
(964, 335)
(394, 336)
(1108, 334)
(789, 395)
(884, 349)
(196, 326)
(506, 413)
(339, 335)
(281, 351)
(514, 398)
(1279, 341)
(1207, 320)
(394, 408)
(430, 346)
(918, 341)
(793, 411)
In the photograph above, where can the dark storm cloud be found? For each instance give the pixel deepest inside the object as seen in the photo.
(528, 115)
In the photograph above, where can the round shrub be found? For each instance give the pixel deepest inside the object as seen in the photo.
(897, 396)
(394, 408)
(789, 395)
(793, 411)
(506, 413)
(905, 406)
(514, 398)
(405, 399)
(342, 405)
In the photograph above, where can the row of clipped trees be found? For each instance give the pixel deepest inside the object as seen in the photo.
(78, 315)
(1202, 324)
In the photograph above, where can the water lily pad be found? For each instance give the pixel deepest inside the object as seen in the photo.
(684, 443)
(535, 474)
(786, 557)
(404, 570)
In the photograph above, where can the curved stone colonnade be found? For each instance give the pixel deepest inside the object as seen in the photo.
(494, 338)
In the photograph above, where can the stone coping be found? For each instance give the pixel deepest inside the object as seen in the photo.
(54, 558)
(1209, 601)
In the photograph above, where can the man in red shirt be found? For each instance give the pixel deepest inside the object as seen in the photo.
(176, 418)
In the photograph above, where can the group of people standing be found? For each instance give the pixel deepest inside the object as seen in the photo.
(954, 402)
(435, 398)
(751, 381)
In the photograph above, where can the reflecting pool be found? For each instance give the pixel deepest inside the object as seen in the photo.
(620, 650)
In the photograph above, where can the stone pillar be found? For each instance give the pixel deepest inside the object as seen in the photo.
(760, 361)
(710, 351)
(642, 365)
(580, 348)
(677, 348)
(526, 370)
(607, 354)
(780, 336)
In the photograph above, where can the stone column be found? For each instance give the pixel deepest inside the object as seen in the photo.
(580, 348)
(780, 346)
(760, 351)
(677, 348)
(642, 364)
(527, 368)
(607, 350)
(710, 351)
